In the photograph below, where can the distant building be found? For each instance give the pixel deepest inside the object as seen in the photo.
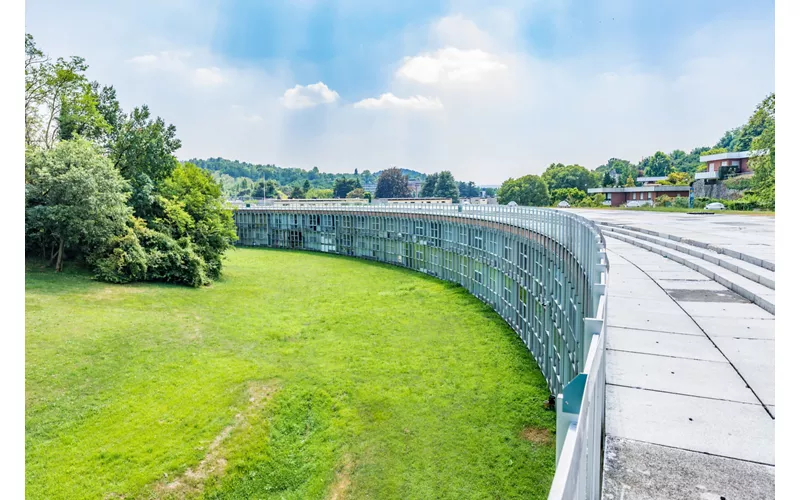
(650, 181)
(415, 187)
(734, 163)
(617, 196)
(479, 201)
(302, 202)
(370, 188)
(413, 201)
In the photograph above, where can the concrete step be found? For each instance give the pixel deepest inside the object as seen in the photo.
(699, 244)
(756, 293)
(750, 271)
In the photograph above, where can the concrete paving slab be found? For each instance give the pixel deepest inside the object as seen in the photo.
(755, 360)
(659, 303)
(691, 285)
(708, 379)
(724, 428)
(648, 319)
(645, 292)
(665, 344)
(688, 274)
(737, 327)
(642, 471)
(725, 310)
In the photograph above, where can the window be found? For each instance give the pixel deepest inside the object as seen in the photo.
(478, 240)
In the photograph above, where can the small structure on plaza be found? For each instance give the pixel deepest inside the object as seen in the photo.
(618, 196)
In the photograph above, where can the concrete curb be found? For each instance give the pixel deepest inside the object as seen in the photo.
(658, 249)
(746, 273)
(726, 251)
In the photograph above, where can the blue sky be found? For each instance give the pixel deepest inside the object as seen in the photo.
(486, 90)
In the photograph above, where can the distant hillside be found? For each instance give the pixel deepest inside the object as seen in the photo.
(289, 176)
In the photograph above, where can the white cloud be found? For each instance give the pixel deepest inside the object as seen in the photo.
(208, 77)
(389, 100)
(299, 97)
(450, 64)
(165, 60)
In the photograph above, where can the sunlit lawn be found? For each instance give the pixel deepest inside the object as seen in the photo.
(298, 375)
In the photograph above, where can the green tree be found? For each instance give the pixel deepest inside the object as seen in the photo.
(570, 195)
(207, 223)
(607, 179)
(446, 186)
(729, 139)
(629, 182)
(676, 179)
(48, 85)
(142, 150)
(763, 164)
(356, 193)
(558, 176)
(297, 193)
(306, 186)
(317, 193)
(343, 186)
(658, 165)
(528, 190)
(468, 190)
(266, 189)
(75, 201)
(429, 186)
(392, 184)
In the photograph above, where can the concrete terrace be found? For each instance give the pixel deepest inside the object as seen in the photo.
(690, 397)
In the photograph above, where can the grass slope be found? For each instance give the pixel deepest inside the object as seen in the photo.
(375, 382)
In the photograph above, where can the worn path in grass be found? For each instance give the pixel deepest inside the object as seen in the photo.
(297, 375)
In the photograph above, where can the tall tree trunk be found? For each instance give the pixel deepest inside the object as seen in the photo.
(60, 260)
(53, 255)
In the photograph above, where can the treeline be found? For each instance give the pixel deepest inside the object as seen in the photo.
(103, 186)
(247, 180)
(571, 182)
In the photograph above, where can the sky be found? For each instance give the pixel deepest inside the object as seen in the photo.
(487, 90)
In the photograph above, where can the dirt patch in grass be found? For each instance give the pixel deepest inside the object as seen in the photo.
(190, 483)
(536, 435)
(342, 483)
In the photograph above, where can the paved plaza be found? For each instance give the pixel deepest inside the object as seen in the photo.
(690, 398)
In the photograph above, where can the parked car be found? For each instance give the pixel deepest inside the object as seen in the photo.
(563, 204)
(637, 203)
(715, 206)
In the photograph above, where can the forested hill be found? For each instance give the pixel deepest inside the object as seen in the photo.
(289, 176)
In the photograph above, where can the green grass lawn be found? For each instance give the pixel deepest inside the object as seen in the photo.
(298, 375)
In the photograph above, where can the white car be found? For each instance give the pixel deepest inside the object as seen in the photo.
(637, 203)
(715, 206)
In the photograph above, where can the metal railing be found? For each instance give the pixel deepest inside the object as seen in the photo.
(544, 271)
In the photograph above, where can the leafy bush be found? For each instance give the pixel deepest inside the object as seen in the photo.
(680, 202)
(664, 201)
